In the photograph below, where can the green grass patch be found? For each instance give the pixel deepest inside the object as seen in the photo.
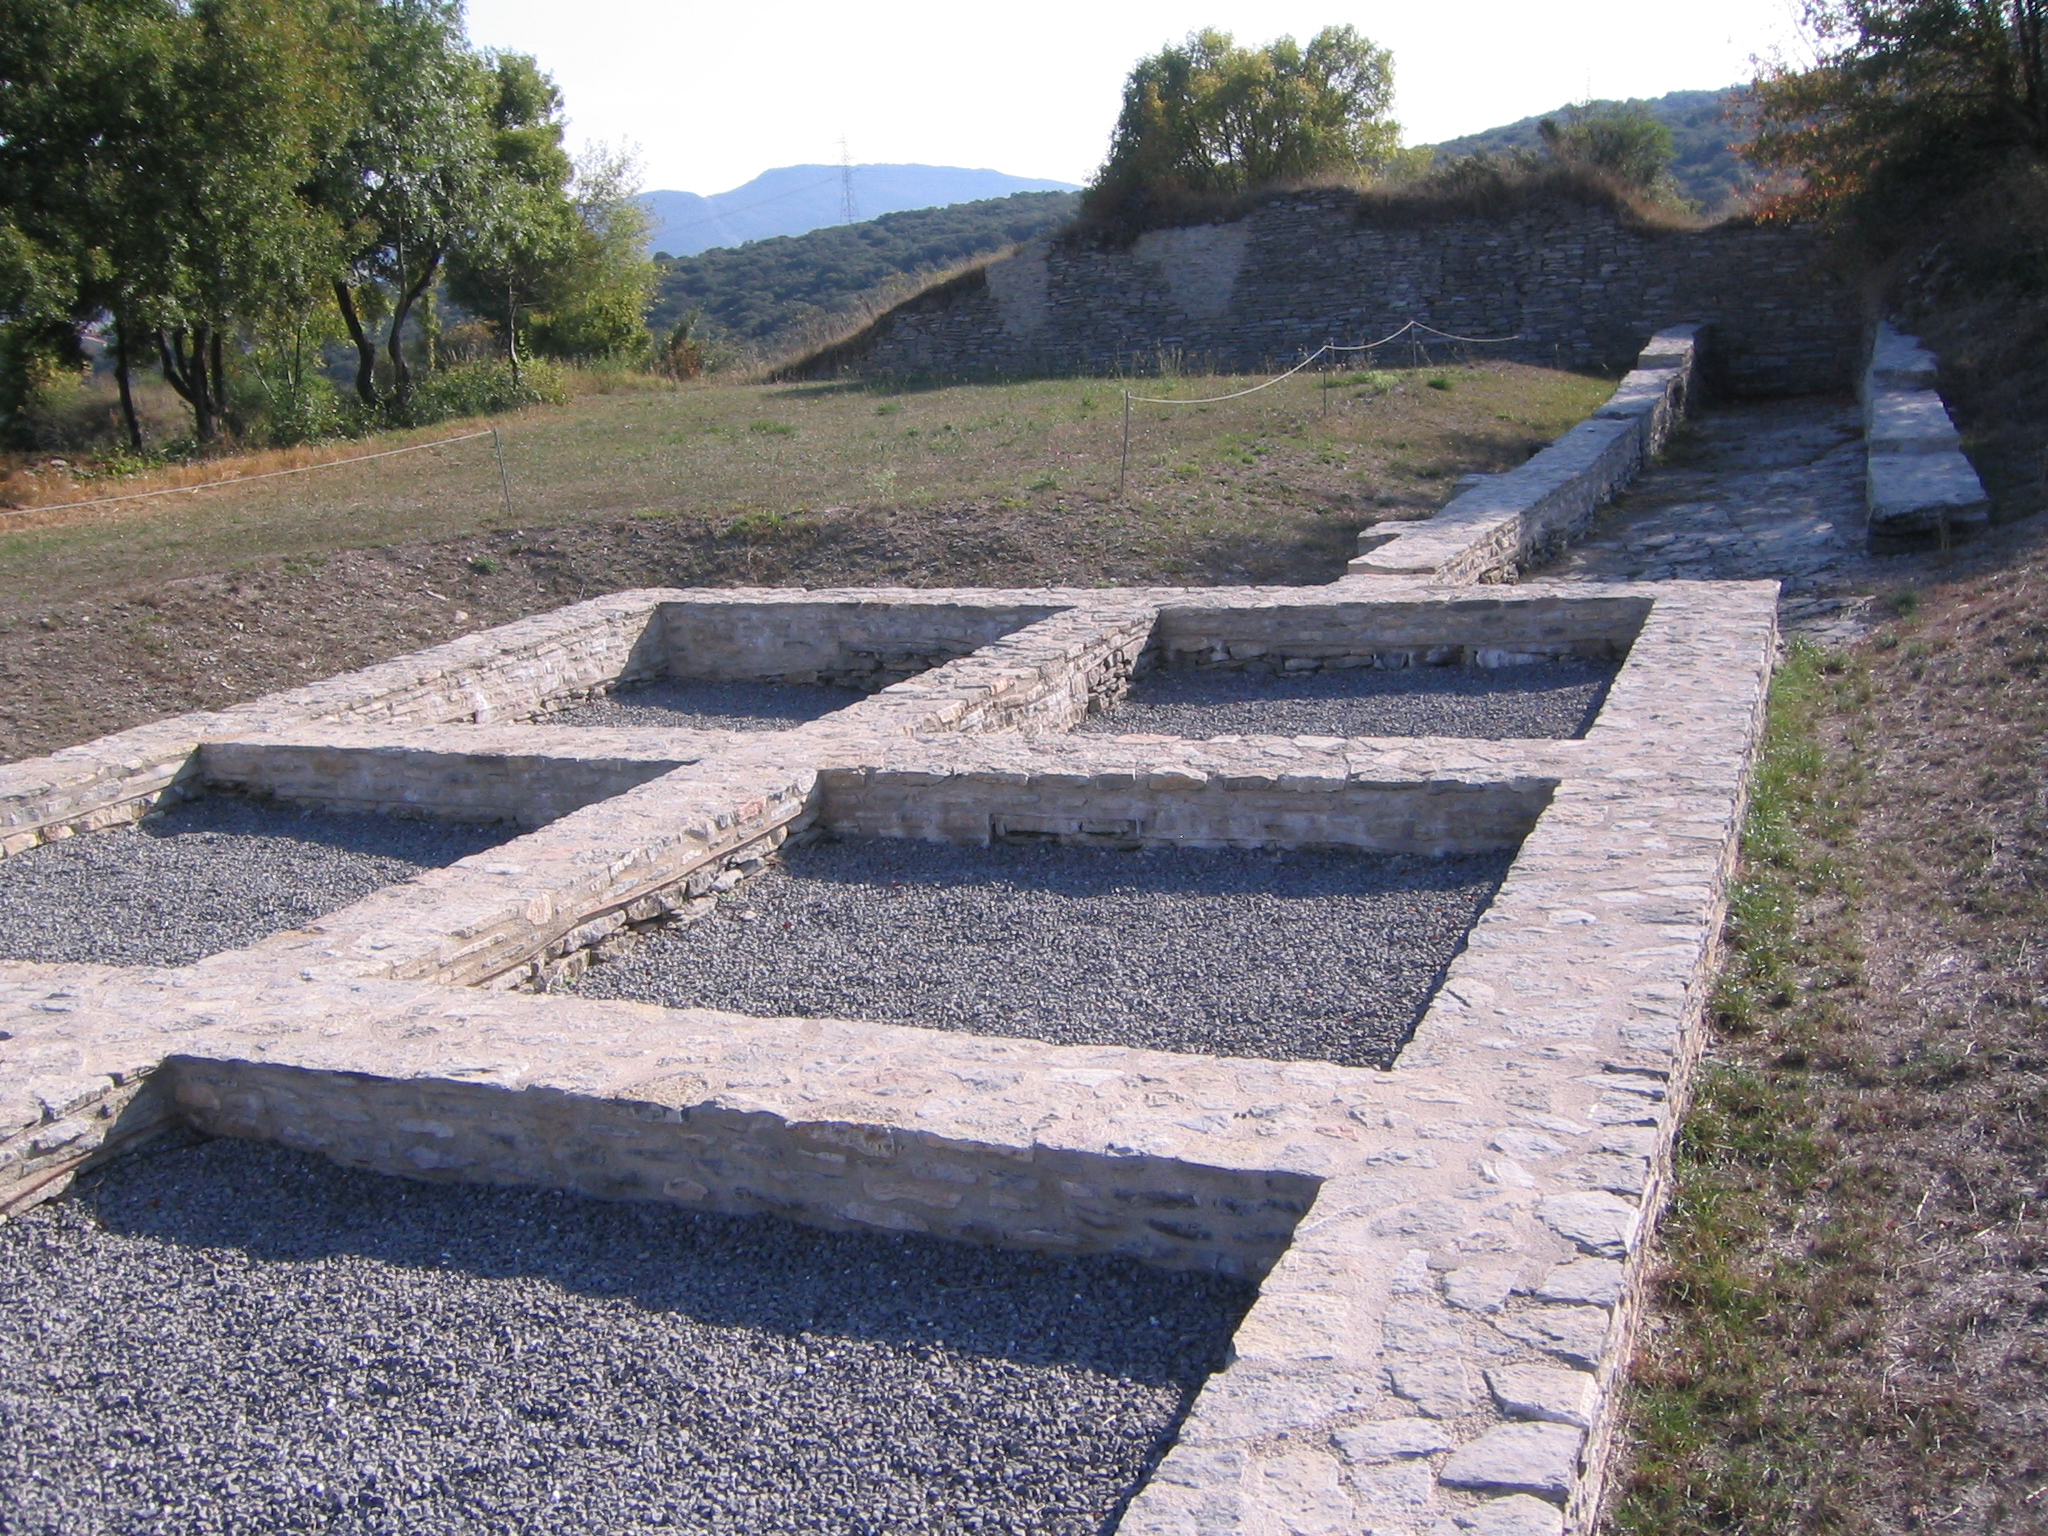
(1732, 1418)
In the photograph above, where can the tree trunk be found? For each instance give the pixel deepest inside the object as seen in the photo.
(512, 334)
(366, 349)
(186, 372)
(401, 374)
(121, 377)
(220, 385)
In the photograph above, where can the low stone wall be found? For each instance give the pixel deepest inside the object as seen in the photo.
(523, 774)
(1448, 1251)
(803, 638)
(1260, 794)
(1510, 521)
(505, 673)
(1475, 631)
(1921, 490)
(1575, 284)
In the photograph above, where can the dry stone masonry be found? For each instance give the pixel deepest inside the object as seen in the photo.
(1447, 1251)
(1508, 522)
(1574, 284)
(1920, 488)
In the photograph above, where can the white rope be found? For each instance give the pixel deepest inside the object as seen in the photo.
(211, 485)
(1328, 346)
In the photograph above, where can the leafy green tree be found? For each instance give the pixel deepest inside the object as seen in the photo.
(598, 301)
(81, 85)
(529, 226)
(1207, 117)
(1622, 140)
(1909, 105)
(227, 234)
(562, 258)
(150, 157)
(410, 179)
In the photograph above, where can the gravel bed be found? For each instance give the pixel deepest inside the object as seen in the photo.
(711, 706)
(1321, 956)
(208, 876)
(233, 1337)
(1544, 699)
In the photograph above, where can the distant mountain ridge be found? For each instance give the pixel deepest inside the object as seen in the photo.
(1704, 162)
(796, 199)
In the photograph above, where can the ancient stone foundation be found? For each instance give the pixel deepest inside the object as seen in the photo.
(1447, 1251)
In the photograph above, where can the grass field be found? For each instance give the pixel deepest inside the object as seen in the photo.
(770, 465)
(1848, 1335)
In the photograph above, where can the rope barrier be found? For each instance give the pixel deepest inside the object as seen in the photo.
(303, 469)
(1328, 347)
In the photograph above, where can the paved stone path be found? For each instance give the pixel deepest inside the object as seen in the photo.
(1769, 490)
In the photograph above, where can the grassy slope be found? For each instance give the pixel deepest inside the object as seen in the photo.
(1849, 1333)
(758, 292)
(201, 599)
(1707, 170)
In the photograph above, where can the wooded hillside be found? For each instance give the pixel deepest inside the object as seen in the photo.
(758, 293)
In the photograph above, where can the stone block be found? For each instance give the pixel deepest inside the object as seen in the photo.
(1540, 1460)
(1538, 1392)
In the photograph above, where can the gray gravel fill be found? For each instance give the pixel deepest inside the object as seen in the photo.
(238, 1338)
(1321, 956)
(1543, 699)
(211, 875)
(711, 706)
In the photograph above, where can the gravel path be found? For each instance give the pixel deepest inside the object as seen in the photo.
(217, 874)
(1544, 699)
(237, 1338)
(711, 706)
(1324, 956)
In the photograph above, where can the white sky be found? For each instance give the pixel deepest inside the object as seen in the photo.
(715, 94)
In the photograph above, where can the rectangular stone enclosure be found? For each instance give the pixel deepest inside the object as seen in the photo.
(1444, 1249)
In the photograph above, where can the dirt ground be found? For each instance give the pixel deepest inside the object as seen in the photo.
(74, 670)
(117, 616)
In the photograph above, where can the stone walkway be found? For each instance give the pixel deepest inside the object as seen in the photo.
(1766, 490)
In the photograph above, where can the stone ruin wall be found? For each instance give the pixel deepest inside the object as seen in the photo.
(1576, 284)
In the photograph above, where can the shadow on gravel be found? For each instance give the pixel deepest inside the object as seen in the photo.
(275, 1206)
(238, 1337)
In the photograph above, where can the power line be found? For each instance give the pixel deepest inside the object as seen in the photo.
(849, 210)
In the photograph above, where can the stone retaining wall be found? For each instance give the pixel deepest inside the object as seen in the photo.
(1508, 522)
(1921, 490)
(1574, 283)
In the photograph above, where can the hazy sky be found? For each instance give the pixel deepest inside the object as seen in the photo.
(714, 94)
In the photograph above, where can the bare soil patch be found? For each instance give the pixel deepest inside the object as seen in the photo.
(211, 598)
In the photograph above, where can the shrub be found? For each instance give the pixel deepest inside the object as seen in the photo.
(485, 388)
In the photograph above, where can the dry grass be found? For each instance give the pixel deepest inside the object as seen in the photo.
(1850, 1332)
(782, 465)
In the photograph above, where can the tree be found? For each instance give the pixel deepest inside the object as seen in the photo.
(410, 179)
(526, 258)
(597, 303)
(1909, 105)
(80, 85)
(1207, 117)
(150, 157)
(1624, 141)
(224, 232)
